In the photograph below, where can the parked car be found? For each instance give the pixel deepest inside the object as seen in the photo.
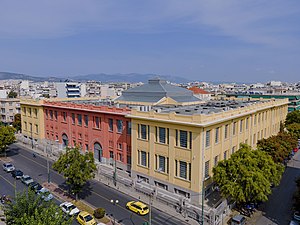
(8, 167)
(297, 215)
(138, 207)
(26, 179)
(17, 174)
(69, 208)
(238, 220)
(293, 222)
(84, 218)
(45, 194)
(35, 186)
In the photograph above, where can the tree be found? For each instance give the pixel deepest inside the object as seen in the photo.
(31, 209)
(247, 176)
(12, 94)
(17, 122)
(278, 147)
(7, 137)
(77, 168)
(294, 129)
(292, 117)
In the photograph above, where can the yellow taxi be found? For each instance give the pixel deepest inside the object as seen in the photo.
(84, 218)
(138, 207)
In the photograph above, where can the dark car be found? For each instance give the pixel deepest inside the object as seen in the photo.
(17, 174)
(35, 186)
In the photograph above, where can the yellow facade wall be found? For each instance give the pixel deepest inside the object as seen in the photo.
(260, 120)
(32, 117)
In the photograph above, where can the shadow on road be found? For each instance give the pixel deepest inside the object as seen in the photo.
(86, 191)
(279, 207)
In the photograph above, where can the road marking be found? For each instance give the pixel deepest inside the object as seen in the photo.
(7, 181)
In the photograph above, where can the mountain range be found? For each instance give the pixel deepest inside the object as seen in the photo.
(105, 78)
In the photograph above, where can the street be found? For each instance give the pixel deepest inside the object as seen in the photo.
(278, 209)
(95, 193)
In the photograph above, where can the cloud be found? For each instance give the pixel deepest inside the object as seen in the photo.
(252, 21)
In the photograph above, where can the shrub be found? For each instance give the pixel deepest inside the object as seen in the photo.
(99, 213)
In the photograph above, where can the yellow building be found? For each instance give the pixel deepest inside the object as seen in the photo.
(175, 148)
(32, 117)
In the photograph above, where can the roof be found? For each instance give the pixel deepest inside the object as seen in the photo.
(142, 205)
(155, 90)
(197, 90)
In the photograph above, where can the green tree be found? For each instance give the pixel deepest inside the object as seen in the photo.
(294, 129)
(292, 117)
(76, 167)
(30, 209)
(7, 137)
(247, 175)
(12, 94)
(17, 122)
(278, 146)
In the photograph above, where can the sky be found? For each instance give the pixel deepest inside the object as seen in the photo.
(203, 40)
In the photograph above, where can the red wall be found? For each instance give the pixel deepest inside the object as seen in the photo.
(109, 140)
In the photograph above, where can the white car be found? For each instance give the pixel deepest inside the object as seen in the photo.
(69, 208)
(26, 179)
(8, 167)
(45, 194)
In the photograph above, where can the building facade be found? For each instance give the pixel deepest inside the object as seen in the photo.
(9, 108)
(102, 129)
(70, 90)
(32, 117)
(294, 99)
(176, 149)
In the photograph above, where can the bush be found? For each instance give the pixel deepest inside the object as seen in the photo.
(99, 213)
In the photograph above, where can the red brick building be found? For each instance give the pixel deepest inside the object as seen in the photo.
(101, 129)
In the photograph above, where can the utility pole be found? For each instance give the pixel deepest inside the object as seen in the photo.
(150, 206)
(115, 172)
(31, 136)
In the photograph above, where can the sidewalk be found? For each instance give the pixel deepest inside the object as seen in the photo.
(128, 190)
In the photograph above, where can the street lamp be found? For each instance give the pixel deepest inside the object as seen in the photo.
(114, 202)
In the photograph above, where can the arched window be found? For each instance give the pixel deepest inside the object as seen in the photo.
(65, 140)
(98, 154)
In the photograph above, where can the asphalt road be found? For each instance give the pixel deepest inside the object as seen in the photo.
(278, 209)
(95, 193)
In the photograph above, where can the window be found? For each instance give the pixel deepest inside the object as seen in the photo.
(128, 125)
(258, 121)
(206, 175)
(254, 139)
(225, 155)
(35, 112)
(51, 114)
(226, 131)
(97, 121)
(142, 131)
(110, 124)
(79, 119)
(36, 129)
(216, 160)
(241, 126)
(161, 134)
(120, 126)
(217, 135)
(183, 169)
(184, 139)
(73, 118)
(161, 164)
(25, 125)
(247, 123)
(207, 139)
(86, 120)
(55, 115)
(234, 128)
(254, 119)
(120, 146)
(46, 112)
(233, 150)
(64, 115)
(29, 111)
(143, 158)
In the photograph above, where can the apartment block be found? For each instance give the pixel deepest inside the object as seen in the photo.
(9, 108)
